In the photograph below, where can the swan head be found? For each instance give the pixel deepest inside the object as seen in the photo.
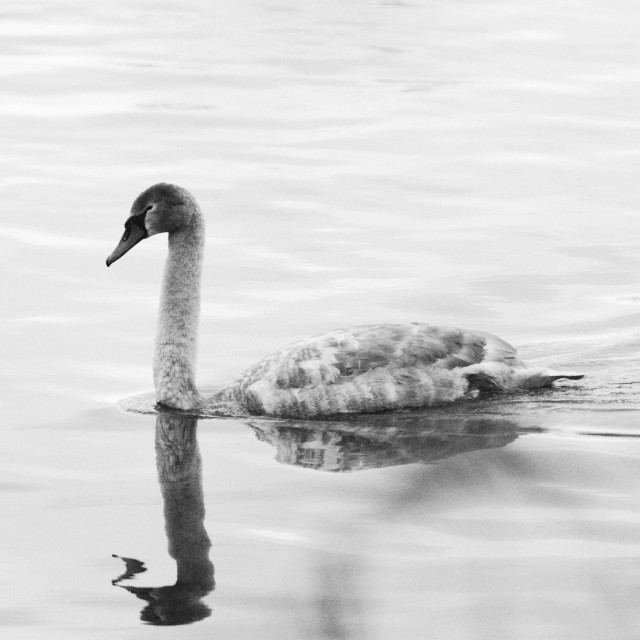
(162, 208)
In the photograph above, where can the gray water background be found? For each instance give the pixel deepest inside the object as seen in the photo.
(465, 163)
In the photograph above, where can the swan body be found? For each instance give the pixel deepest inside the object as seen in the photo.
(362, 369)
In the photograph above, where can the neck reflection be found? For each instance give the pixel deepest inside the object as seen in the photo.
(179, 466)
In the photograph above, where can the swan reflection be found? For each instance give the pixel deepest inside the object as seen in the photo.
(180, 476)
(363, 442)
(383, 440)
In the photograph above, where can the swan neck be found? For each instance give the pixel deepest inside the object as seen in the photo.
(176, 343)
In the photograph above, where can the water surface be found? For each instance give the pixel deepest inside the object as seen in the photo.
(465, 163)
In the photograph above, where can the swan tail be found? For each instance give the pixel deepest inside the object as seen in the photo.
(552, 376)
(497, 377)
(536, 378)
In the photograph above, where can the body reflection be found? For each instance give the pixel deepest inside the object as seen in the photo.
(383, 440)
(362, 442)
(180, 475)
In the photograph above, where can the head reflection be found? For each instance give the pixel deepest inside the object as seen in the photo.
(180, 476)
(383, 440)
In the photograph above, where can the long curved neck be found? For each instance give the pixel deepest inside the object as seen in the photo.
(177, 338)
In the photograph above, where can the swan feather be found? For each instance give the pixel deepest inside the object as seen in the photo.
(363, 369)
(372, 368)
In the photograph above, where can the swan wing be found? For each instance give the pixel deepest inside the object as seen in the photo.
(326, 358)
(366, 368)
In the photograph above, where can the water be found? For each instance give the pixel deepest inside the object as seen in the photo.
(466, 163)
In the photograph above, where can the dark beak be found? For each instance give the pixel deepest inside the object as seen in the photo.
(132, 235)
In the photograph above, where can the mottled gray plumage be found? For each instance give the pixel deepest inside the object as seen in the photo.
(380, 367)
(362, 369)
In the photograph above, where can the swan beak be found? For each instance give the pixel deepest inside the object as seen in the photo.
(132, 235)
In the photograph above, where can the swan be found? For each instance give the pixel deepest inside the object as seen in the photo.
(362, 369)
